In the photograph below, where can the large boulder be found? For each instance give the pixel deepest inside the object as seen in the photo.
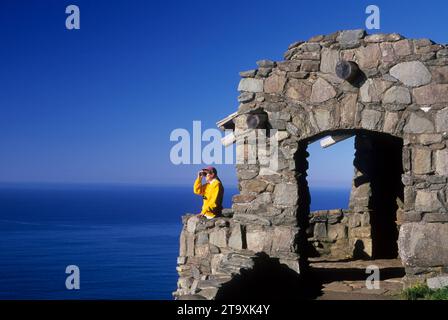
(423, 244)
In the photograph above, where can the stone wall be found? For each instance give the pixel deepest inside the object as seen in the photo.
(213, 252)
(401, 93)
(335, 234)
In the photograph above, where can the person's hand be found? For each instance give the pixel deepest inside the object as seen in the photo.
(199, 174)
(200, 215)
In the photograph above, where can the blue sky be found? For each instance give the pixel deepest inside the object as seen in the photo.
(99, 104)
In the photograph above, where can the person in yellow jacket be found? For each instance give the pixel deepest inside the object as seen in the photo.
(212, 192)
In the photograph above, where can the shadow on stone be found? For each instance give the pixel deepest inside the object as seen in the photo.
(360, 79)
(327, 275)
(359, 251)
(269, 279)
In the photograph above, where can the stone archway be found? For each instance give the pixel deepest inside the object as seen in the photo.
(368, 226)
(400, 89)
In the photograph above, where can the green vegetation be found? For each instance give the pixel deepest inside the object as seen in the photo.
(423, 292)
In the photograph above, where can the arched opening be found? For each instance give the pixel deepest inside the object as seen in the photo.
(329, 176)
(339, 243)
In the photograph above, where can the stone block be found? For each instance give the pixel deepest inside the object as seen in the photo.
(334, 216)
(360, 232)
(285, 194)
(412, 74)
(382, 37)
(431, 94)
(399, 95)
(423, 244)
(189, 244)
(298, 90)
(440, 74)
(418, 124)
(247, 174)
(298, 75)
(201, 250)
(309, 47)
(264, 72)
(265, 63)
(441, 162)
(219, 237)
(355, 220)
(289, 66)
(437, 282)
(329, 60)
(274, 84)
(250, 85)
(320, 231)
(350, 38)
(387, 52)
(254, 219)
(427, 201)
(182, 244)
(402, 48)
(372, 90)
(348, 109)
(202, 239)
(442, 120)
(337, 232)
(322, 91)
(192, 223)
(390, 122)
(435, 217)
(323, 119)
(246, 97)
(307, 56)
(369, 56)
(256, 186)
(421, 161)
(284, 238)
(370, 119)
(430, 138)
(248, 73)
(208, 293)
(310, 66)
(257, 240)
(237, 239)
(215, 262)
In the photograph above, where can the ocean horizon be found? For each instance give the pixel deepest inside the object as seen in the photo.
(123, 238)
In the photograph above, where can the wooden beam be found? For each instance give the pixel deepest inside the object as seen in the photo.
(332, 140)
(228, 140)
(227, 122)
(236, 134)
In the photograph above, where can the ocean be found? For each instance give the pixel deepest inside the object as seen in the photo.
(123, 239)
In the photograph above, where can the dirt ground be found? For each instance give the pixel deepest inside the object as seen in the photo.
(347, 280)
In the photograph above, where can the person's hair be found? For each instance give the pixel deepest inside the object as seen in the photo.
(215, 173)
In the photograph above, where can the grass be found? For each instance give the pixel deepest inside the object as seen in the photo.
(423, 292)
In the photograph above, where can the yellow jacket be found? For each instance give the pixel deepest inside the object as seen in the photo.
(212, 193)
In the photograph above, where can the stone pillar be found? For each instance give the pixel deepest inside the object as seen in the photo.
(424, 234)
(377, 195)
(360, 237)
